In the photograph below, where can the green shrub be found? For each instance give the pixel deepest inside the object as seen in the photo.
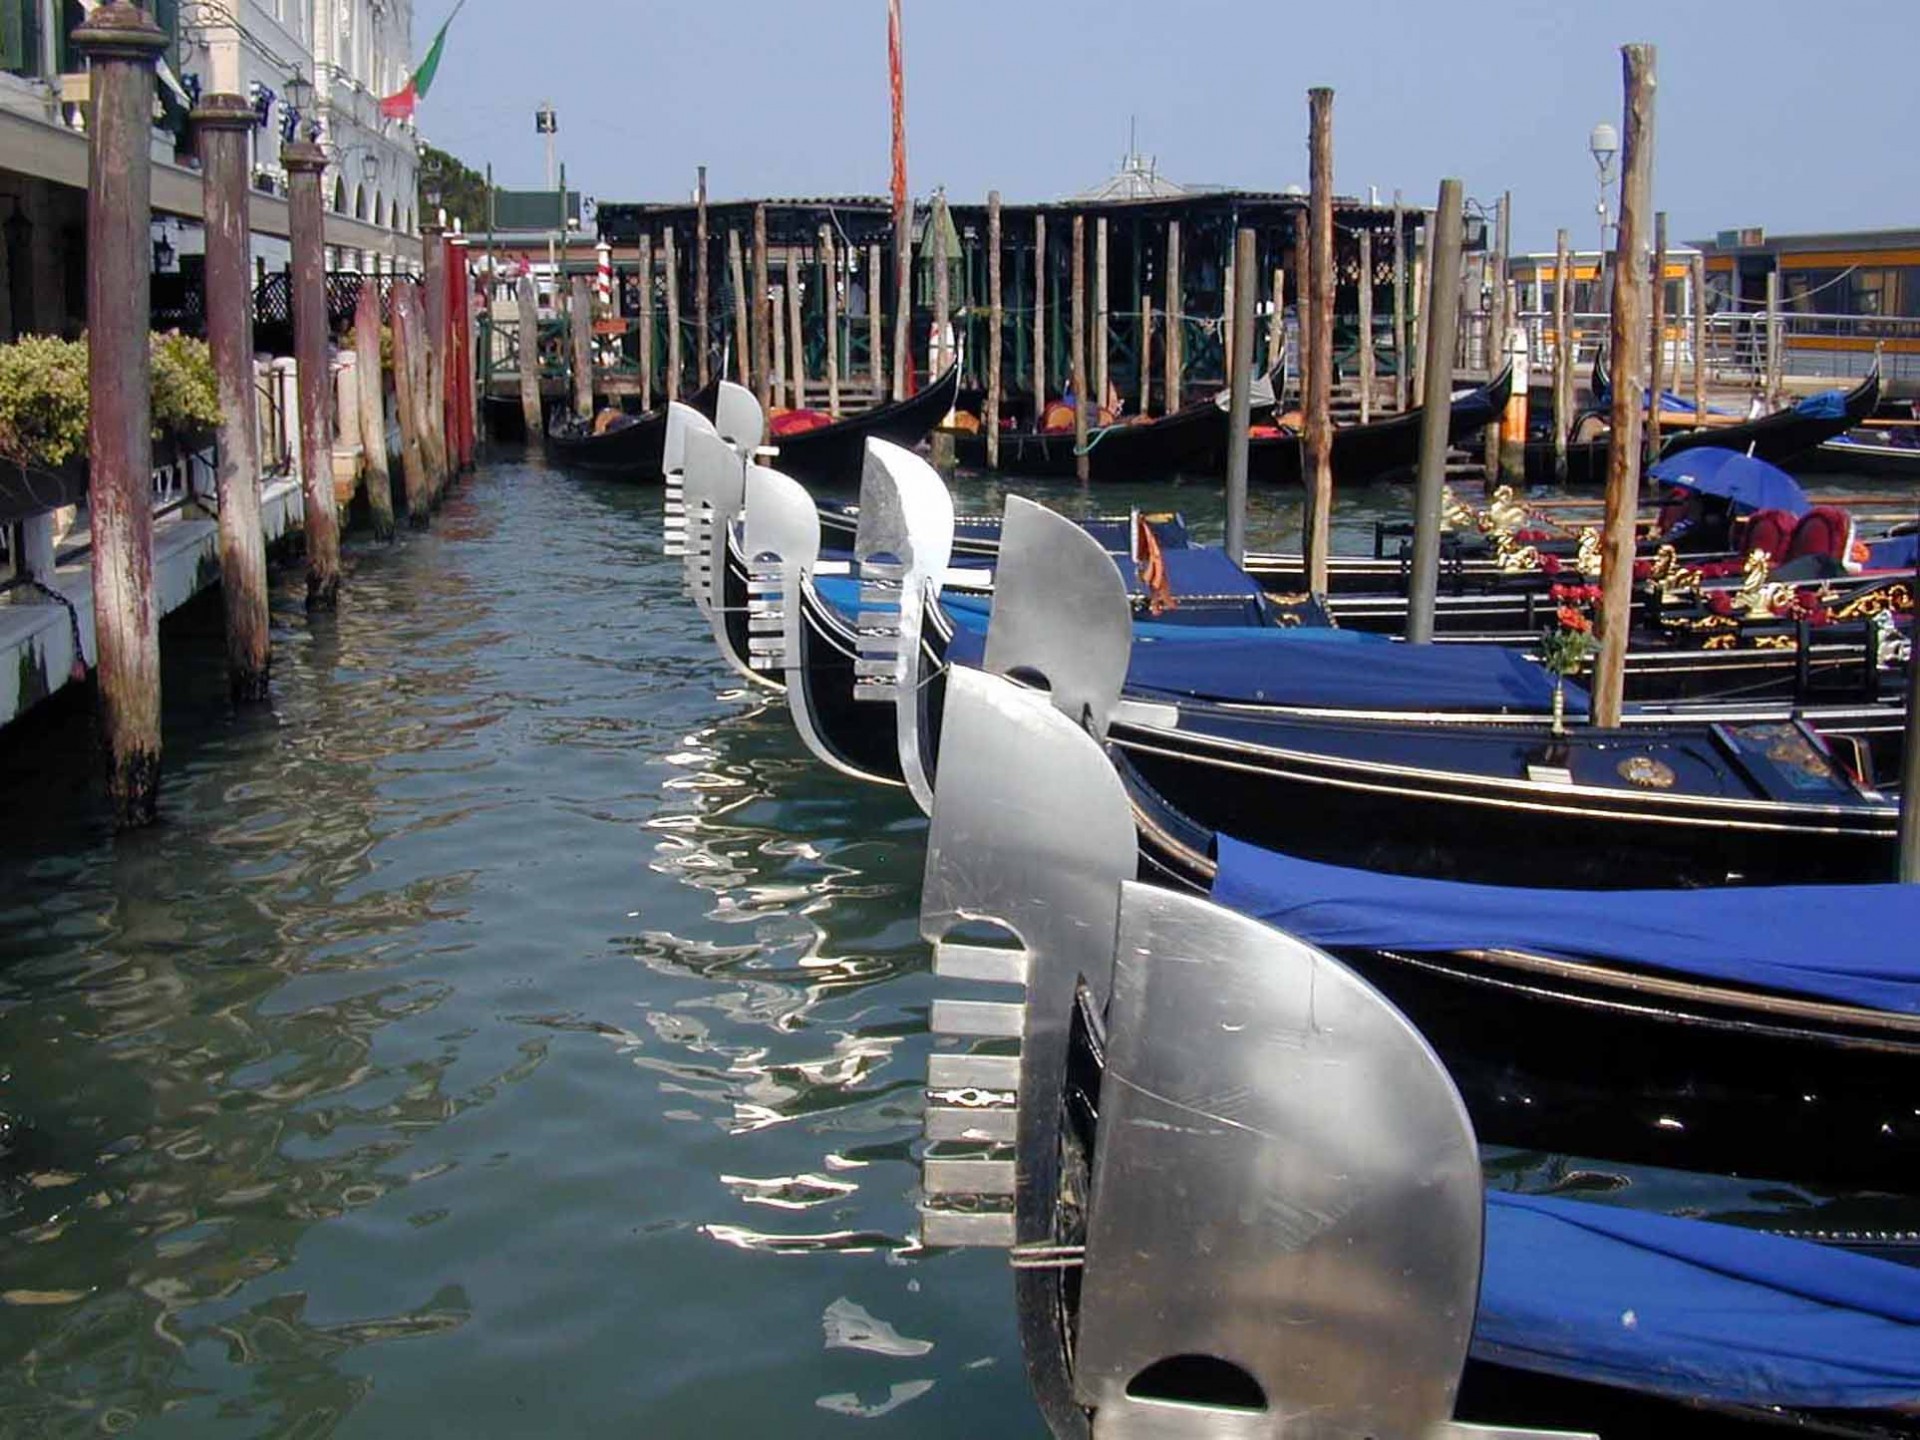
(43, 395)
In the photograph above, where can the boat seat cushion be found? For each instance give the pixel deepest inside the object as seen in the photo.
(1770, 531)
(1826, 531)
(797, 422)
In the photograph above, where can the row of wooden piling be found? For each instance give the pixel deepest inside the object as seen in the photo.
(123, 46)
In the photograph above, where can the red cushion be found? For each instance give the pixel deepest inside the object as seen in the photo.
(797, 422)
(1771, 531)
(1824, 530)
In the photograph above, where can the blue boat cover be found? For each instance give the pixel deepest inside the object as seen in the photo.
(1850, 943)
(1693, 1309)
(1901, 552)
(1827, 405)
(1749, 483)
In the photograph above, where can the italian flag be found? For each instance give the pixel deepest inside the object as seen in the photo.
(400, 106)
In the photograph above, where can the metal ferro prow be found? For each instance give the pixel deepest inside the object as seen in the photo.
(1282, 1207)
(682, 420)
(780, 537)
(738, 418)
(901, 550)
(716, 491)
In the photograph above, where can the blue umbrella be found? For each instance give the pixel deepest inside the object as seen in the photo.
(1745, 482)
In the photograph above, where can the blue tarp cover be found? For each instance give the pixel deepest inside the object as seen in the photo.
(1902, 552)
(1747, 482)
(1851, 943)
(1694, 1309)
(1827, 405)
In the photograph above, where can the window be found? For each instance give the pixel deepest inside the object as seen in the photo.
(20, 37)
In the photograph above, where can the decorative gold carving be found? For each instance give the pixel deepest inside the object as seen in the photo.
(1895, 599)
(1644, 770)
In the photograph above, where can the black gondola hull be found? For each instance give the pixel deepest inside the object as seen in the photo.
(831, 456)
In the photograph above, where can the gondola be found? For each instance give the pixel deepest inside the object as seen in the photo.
(1778, 437)
(1362, 453)
(1191, 441)
(628, 449)
(1235, 1177)
(1864, 453)
(1463, 780)
(829, 456)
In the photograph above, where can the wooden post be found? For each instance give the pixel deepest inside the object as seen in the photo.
(1496, 346)
(757, 311)
(1146, 353)
(1417, 350)
(1773, 339)
(404, 317)
(224, 122)
(304, 161)
(1277, 333)
(580, 330)
(1039, 319)
(418, 398)
(1246, 285)
(1227, 280)
(903, 299)
(122, 45)
(1563, 356)
(1366, 327)
(1102, 373)
(1176, 312)
(876, 355)
(1319, 419)
(1081, 400)
(1303, 301)
(832, 297)
(528, 306)
(777, 327)
(645, 266)
(702, 293)
(1628, 358)
(742, 313)
(797, 347)
(433, 285)
(1442, 312)
(373, 414)
(996, 318)
(1402, 378)
(1697, 282)
(942, 354)
(670, 262)
(1657, 352)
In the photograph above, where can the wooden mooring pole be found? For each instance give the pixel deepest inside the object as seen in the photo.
(1563, 356)
(1039, 319)
(797, 346)
(1628, 358)
(942, 355)
(832, 297)
(996, 319)
(670, 262)
(1146, 352)
(224, 123)
(1657, 346)
(1081, 400)
(1773, 383)
(1402, 378)
(1246, 286)
(1101, 357)
(373, 409)
(1319, 417)
(304, 162)
(1277, 334)
(1441, 325)
(1497, 321)
(742, 313)
(527, 305)
(404, 319)
(580, 331)
(433, 289)
(876, 332)
(122, 44)
(1303, 301)
(645, 265)
(757, 312)
(702, 293)
(1366, 327)
(1176, 314)
(1697, 283)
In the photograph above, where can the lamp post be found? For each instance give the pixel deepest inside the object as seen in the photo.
(1604, 145)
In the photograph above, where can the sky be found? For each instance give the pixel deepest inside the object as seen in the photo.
(1791, 116)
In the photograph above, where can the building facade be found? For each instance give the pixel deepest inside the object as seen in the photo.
(347, 53)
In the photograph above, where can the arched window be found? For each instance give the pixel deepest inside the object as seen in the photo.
(393, 214)
(359, 202)
(339, 196)
(410, 220)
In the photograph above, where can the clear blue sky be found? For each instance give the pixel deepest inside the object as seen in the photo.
(1794, 116)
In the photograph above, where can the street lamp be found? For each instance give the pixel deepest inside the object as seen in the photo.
(1604, 143)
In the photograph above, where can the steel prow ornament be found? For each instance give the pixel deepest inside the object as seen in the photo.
(1280, 1196)
(1060, 613)
(780, 542)
(682, 420)
(716, 489)
(901, 549)
(738, 418)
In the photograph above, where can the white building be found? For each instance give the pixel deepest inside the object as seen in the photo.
(350, 52)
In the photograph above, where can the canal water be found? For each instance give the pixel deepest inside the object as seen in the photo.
(510, 1031)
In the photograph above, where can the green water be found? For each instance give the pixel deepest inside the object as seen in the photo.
(510, 1031)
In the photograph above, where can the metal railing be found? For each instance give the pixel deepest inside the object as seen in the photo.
(1840, 346)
